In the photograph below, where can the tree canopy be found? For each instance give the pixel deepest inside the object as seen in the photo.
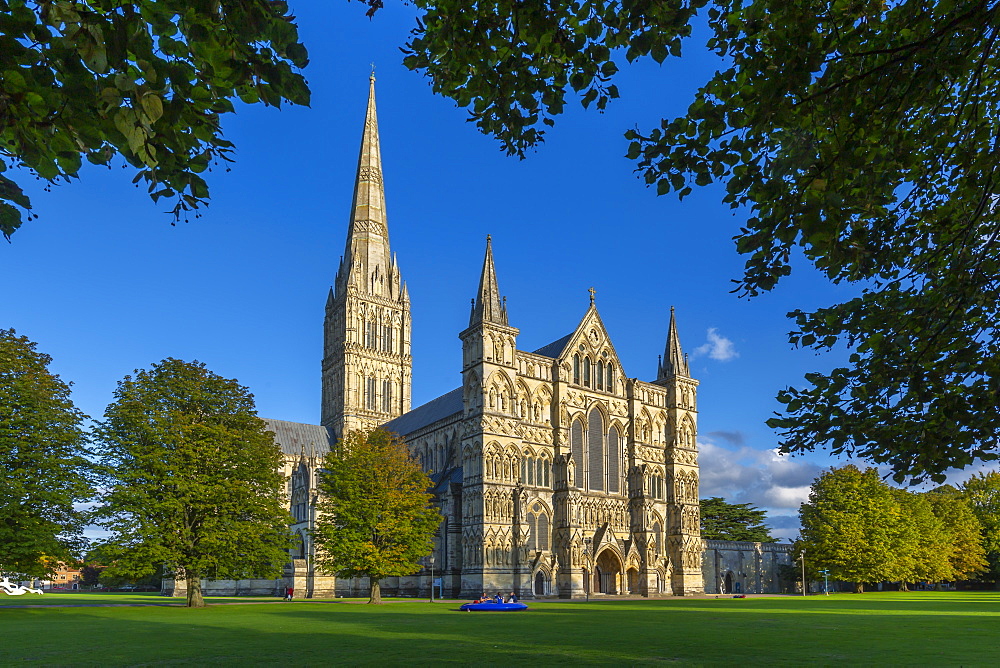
(968, 552)
(864, 530)
(191, 479)
(925, 544)
(148, 80)
(851, 526)
(721, 520)
(375, 516)
(858, 135)
(982, 491)
(43, 449)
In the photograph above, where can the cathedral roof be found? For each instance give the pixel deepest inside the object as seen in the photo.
(554, 349)
(442, 479)
(429, 413)
(297, 438)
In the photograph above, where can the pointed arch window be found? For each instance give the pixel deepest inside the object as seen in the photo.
(600, 375)
(595, 447)
(576, 368)
(387, 338)
(371, 393)
(576, 450)
(614, 460)
(609, 380)
(656, 485)
(542, 542)
(586, 371)
(386, 396)
(542, 476)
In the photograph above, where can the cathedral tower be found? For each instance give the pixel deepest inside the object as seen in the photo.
(684, 526)
(366, 351)
(489, 373)
(488, 348)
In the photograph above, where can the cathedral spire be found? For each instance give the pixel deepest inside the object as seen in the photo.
(674, 362)
(488, 307)
(367, 262)
(367, 366)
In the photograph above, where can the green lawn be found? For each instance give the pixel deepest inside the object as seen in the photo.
(920, 628)
(118, 598)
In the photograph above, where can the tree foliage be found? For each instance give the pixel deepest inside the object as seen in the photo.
(191, 479)
(90, 574)
(861, 135)
(925, 544)
(733, 521)
(863, 530)
(43, 459)
(968, 552)
(982, 491)
(149, 80)
(375, 518)
(851, 525)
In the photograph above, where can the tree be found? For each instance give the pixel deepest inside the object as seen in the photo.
(90, 574)
(375, 518)
(982, 491)
(43, 450)
(191, 479)
(851, 526)
(860, 135)
(925, 545)
(967, 555)
(733, 521)
(146, 79)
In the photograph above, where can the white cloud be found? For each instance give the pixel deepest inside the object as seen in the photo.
(786, 497)
(764, 478)
(717, 347)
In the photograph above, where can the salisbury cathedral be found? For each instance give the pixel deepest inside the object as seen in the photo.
(556, 473)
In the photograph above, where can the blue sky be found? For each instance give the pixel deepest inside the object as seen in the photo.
(105, 284)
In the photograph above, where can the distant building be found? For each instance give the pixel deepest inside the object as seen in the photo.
(64, 576)
(738, 567)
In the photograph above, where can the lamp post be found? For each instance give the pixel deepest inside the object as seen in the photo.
(431, 560)
(826, 581)
(586, 573)
(802, 559)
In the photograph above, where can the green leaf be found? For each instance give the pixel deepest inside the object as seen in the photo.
(153, 107)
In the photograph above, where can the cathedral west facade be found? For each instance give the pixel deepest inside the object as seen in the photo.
(556, 473)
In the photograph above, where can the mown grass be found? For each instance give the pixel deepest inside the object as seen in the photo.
(919, 628)
(79, 598)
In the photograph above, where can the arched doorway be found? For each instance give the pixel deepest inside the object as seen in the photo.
(633, 580)
(727, 584)
(540, 584)
(607, 572)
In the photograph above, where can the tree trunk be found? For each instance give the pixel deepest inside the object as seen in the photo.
(859, 587)
(903, 587)
(194, 598)
(375, 593)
